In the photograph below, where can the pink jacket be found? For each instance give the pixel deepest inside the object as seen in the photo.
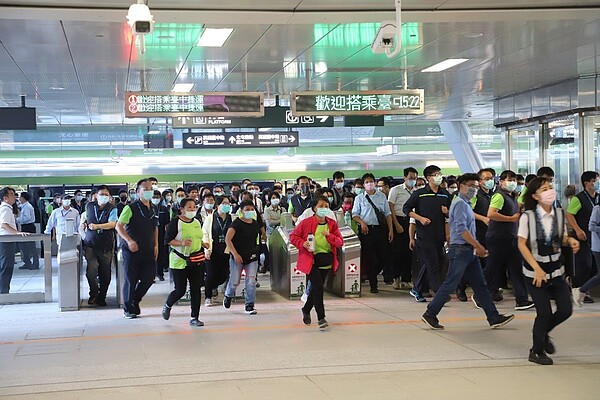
(299, 235)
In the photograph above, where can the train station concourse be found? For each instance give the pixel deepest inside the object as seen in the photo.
(182, 181)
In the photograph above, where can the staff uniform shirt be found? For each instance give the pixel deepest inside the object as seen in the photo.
(581, 206)
(399, 194)
(58, 220)
(7, 217)
(27, 215)
(363, 209)
(547, 219)
(462, 219)
(428, 204)
(179, 229)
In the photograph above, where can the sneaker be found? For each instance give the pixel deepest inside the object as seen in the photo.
(497, 297)
(502, 320)
(208, 302)
(25, 266)
(129, 315)
(136, 309)
(396, 284)
(250, 310)
(226, 301)
(587, 299)
(196, 322)
(549, 346)
(374, 290)
(92, 301)
(161, 278)
(578, 297)
(304, 297)
(524, 306)
(306, 318)
(475, 301)
(540, 358)
(405, 286)
(323, 324)
(461, 296)
(417, 296)
(257, 284)
(432, 322)
(100, 302)
(166, 312)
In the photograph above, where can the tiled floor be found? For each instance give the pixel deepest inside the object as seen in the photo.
(376, 347)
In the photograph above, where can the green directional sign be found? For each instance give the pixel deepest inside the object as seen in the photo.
(374, 102)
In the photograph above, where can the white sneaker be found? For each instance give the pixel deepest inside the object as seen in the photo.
(577, 297)
(304, 297)
(396, 284)
(208, 303)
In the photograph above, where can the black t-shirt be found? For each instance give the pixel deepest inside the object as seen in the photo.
(246, 239)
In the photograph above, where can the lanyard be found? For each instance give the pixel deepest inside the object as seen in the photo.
(142, 212)
(592, 200)
(222, 225)
(101, 214)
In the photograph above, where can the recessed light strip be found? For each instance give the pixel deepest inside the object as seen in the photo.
(444, 65)
(183, 87)
(212, 37)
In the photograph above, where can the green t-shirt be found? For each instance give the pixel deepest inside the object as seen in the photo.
(126, 215)
(520, 199)
(321, 243)
(179, 230)
(574, 206)
(497, 201)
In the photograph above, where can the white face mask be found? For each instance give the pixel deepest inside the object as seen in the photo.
(339, 185)
(66, 202)
(155, 201)
(437, 180)
(190, 214)
(102, 199)
(275, 202)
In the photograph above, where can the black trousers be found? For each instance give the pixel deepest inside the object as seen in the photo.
(29, 254)
(374, 252)
(139, 277)
(546, 320)
(505, 255)
(7, 265)
(402, 255)
(431, 276)
(98, 271)
(583, 264)
(162, 263)
(181, 277)
(317, 279)
(217, 272)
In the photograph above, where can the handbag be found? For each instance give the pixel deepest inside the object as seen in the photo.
(381, 220)
(323, 259)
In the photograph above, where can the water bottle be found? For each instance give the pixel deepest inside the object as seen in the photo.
(311, 240)
(186, 250)
(347, 218)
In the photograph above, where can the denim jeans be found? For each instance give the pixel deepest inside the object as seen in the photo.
(462, 260)
(594, 280)
(235, 273)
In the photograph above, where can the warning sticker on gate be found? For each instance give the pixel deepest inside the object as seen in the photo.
(297, 282)
(352, 277)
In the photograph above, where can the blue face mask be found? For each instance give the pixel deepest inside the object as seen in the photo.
(597, 186)
(411, 182)
(250, 214)
(147, 194)
(322, 212)
(489, 185)
(134, 196)
(225, 208)
(358, 190)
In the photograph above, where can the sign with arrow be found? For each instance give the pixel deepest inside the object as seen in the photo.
(239, 140)
(274, 117)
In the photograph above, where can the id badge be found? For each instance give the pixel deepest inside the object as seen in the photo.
(221, 238)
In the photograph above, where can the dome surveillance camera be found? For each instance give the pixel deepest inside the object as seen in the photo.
(140, 19)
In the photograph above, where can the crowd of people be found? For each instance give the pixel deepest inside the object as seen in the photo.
(431, 235)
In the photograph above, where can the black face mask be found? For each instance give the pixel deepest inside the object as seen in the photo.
(123, 198)
(304, 189)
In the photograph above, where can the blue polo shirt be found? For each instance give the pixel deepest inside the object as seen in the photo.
(363, 209)
(462, 219)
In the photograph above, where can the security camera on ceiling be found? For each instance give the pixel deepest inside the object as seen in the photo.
(385, 38)
(140, 19)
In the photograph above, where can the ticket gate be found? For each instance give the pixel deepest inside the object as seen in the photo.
(346, 281)
(69, 267)
(286, 280)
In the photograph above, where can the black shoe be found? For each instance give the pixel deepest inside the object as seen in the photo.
(25, 266)
(475, 301)
(461, 296)
(497, 297)
(136, 309)
(129, 315)
(226, 301)
(502, 320)
(549, 346)
(433, 322)
(524, 306)
(262, 270)
(587, 299)
(34, 268)
(92, 301)
(166, 312)
(196, 322)
(541, 358)
(306, 318)
(161, 278)
(250, 310)
(374, 290)
(100, 302)
(323, 324)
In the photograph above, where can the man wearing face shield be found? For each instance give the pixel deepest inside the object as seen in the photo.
(58, 219)
(300, 202)
(138, 227)
(98, 229)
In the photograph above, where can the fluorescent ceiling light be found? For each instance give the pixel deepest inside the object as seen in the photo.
(212, 37)
(183, 87)
(444, 65)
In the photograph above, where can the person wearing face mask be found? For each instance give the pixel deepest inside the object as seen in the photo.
(207, 207)
(316, 259)
(255, 191)
(541, 233)
(153, 182)
(463, 256)
(309, 212)
(452, 188)
(245, 184)
(501, 240)
(300, 202)
(78, 201)
(164, 217)
(8, 226)
(56, 203)
(138, 229)
(98, 227)
(429, 207)
(167, 196)
(122, 202)
(402, 254)
(193, 193)
(371, 211)
(218, 191)
(26, 221)
(184, 235)
(273, 213)
(383, 185)
(235, 189)
(243, 239)
(338, 190)
(58, 219)
(347, 204)
(579, 213)
(217, 256)
(420, 183)
(358, 187)
(520, 184)
(133, 196)
(176, 206)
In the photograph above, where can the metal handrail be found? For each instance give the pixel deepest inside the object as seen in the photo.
(47, 240)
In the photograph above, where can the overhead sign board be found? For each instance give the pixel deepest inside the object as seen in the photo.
(18, 118)
(171, 104)
(239, 140)
(275, 117)
(364, 120)
(374, 102)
